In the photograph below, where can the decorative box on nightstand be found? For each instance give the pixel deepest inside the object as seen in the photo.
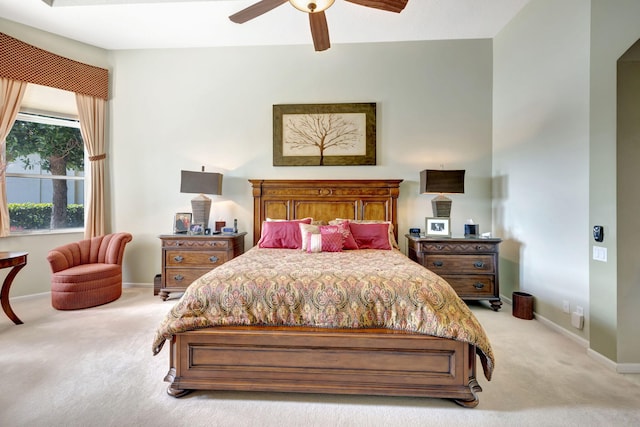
(185, 258)
(469, 265)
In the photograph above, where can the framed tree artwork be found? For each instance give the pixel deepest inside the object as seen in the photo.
(324, 134)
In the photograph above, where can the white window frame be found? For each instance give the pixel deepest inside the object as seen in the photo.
(55, 119)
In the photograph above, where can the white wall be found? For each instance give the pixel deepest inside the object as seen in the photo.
(541, 155)
(180, 109)
(35, 277)
(614, 301)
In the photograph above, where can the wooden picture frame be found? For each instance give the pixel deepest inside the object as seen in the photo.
(324, 134)
(437, 226)
(181, 222)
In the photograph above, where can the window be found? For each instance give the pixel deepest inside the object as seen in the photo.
(45, 173)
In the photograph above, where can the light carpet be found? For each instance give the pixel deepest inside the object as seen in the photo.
(94, 367)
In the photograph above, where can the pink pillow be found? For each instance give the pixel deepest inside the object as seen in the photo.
(332, 238)
(371, 236)
(282, 234)
(343, 226)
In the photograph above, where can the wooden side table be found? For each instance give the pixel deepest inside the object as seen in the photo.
(185, 258)
(468, 264)
(17, 260)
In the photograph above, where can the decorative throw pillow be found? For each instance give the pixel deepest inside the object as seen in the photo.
(343, 225)
(282, 234)
(332, 238)
(314, 242)
(305, 231)
(371, 235)
(392, 237)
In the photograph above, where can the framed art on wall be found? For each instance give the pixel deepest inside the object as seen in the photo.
(437, 226)
(324, 134)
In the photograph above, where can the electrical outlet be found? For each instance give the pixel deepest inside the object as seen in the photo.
(577, 320)
(566, 307)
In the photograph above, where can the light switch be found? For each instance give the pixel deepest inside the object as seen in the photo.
(600, 253)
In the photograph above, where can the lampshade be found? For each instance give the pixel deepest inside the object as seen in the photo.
(311, 6)
(202, 183)
(441, 181)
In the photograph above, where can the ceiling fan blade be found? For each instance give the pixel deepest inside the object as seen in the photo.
(387, 5)
(319, 31)
(255, 10)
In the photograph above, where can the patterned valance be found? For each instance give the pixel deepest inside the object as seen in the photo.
(27, 63)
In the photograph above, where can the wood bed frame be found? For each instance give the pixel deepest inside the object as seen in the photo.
(317, 360)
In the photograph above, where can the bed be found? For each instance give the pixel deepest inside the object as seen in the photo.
(416, 338)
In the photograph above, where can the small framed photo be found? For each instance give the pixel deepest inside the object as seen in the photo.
(182, 222)
(437, 227)
(196, 229)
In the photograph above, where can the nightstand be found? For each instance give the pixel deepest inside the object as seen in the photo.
(468, 264)
(185, 258)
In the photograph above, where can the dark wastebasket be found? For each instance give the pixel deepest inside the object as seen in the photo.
(522, 305)
(157, 283)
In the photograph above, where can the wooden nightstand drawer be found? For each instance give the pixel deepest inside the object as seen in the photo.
(196, 244)
(471, 286)
(455, 264)
(183, 277)
(185, 258)
(469, 264)
(195, 258)
(471, 247)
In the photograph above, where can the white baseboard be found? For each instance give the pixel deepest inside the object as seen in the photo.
(582, 342)
(30, 296)
(136, 285)
(621, 368)
(628, 368)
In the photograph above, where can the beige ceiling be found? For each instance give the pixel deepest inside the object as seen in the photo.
(142, 24)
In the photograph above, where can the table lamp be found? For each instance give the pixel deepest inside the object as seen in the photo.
(201, 183)
(441, 182)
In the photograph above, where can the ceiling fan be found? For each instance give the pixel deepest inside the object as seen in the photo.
(315, 9)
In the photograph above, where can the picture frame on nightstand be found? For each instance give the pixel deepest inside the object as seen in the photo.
(196, 230)
(437, 226)
(182, 223)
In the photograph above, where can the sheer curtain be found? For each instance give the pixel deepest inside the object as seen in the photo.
(92, 114)
(11, 93)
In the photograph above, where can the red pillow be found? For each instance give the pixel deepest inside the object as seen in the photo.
(343, 226)
(332, 238)
(370, 236)
(282, 234)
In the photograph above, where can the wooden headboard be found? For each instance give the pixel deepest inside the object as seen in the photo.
(324, 200)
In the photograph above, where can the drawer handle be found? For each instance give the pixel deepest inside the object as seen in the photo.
(439, 247)
(179, 278)
(478, 264)
(213, 258)
(478, 247)
(438, 263)
(478, 285)
(178, 258)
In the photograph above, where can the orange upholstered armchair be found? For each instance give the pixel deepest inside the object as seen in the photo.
(87, 273)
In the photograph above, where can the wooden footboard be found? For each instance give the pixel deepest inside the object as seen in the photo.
(315, 360)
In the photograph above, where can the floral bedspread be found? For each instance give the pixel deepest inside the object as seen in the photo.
(349, 289)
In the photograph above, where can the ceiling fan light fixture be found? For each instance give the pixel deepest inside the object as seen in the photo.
(311, 6)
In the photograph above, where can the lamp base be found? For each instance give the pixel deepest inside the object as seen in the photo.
(201, 208)
(441, 206)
